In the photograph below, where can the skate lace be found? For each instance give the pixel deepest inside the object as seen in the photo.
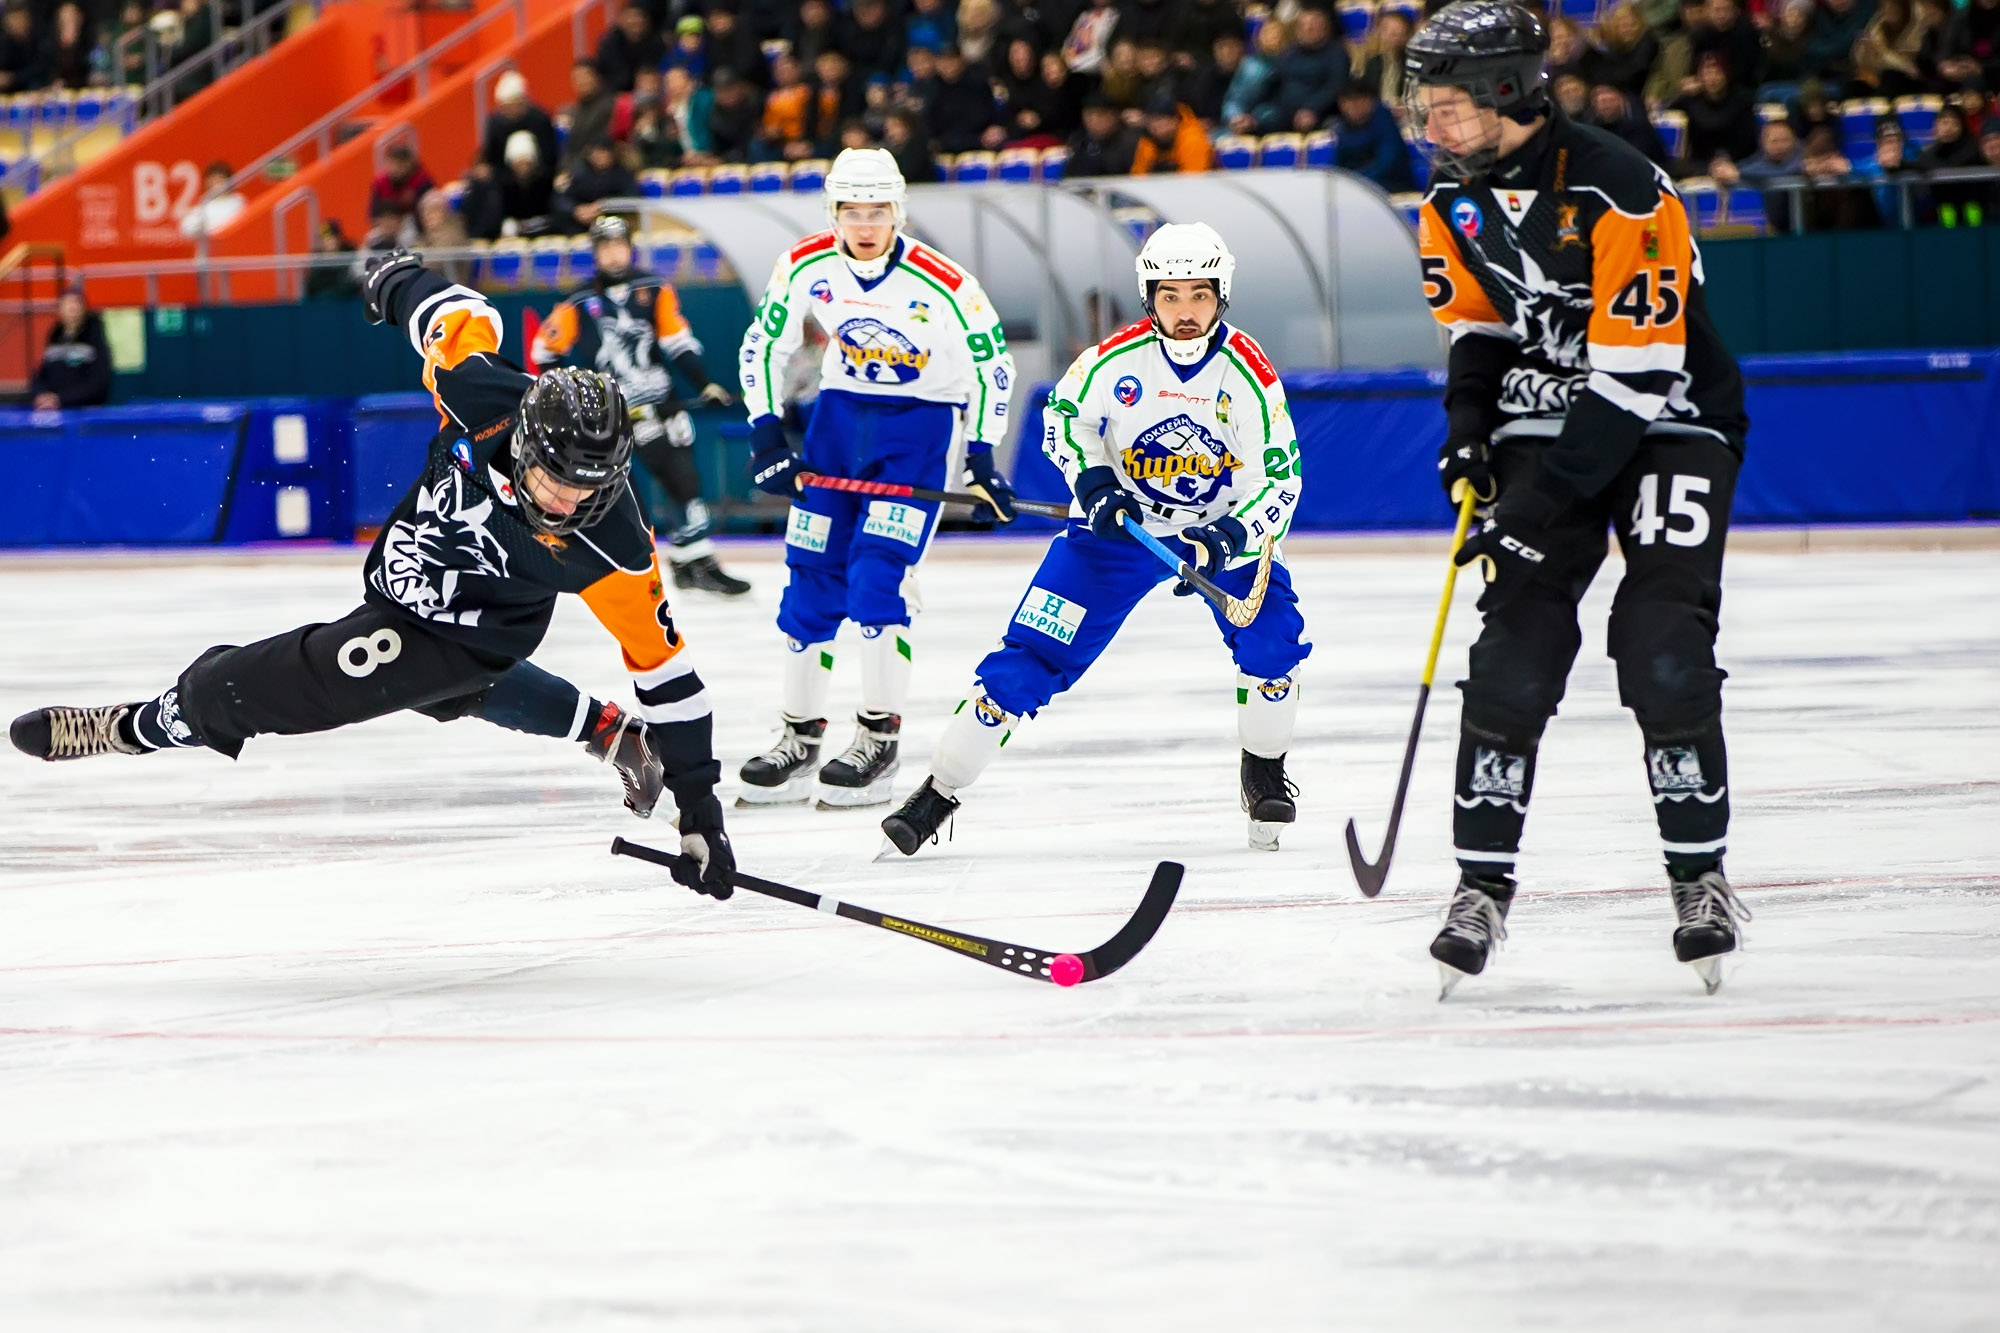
(1474, 917)
(792, 748)
(1709, 901)
(862, 751)
(1267, 779)
(77, 732)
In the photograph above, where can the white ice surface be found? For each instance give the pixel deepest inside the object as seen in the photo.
(366, 1031)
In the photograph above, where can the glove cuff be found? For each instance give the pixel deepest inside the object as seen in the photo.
(1232, 528)
(701, 815)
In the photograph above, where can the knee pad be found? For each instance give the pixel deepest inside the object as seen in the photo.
(1519, 672)
(451, 710)
(1665, 652)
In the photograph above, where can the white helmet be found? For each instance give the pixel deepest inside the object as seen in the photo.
(866, 176)
(1185, 250)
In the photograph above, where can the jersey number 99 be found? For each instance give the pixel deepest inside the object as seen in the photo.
(986, 346)
(772, 317)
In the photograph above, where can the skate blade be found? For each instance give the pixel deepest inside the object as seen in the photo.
(889, 852)
(878, 792)
(1709, 969)
(1448, 979)
(1264, 834)
(797, 790)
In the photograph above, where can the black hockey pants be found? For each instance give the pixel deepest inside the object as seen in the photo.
(367, 664)
(1669, 510)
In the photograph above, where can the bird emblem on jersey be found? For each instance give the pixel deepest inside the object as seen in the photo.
(873, 351)
(424, 556)
(1178, 462)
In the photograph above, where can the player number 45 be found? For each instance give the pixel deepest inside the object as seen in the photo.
(1648, 523)
(1637, 305)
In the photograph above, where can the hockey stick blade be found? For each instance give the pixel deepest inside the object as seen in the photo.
(1370, 876)
(1021, 961)
(1238, 611)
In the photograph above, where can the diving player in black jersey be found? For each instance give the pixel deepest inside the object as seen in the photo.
(525, 495)
(1587, 389)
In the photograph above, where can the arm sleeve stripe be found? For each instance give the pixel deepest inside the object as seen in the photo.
(1620, 359)
(1645, 406)
(433, 306)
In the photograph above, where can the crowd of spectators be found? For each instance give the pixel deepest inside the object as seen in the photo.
(70, 45)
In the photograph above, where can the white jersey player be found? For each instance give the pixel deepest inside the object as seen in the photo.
(912, 347)
(1178, 423)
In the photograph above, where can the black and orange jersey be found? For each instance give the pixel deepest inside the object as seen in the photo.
(632, 330)
(1571, 285)
(456, 554)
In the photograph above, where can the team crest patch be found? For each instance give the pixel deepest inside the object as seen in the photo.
(1222, 407)
(1651, 239)
(1178, 462)
(1275, 691)
(899, 522)
(821, 291)
(1127, 390)
(593, 305)
(870, 350)
(1498, 774)
(987, 713)
(1674, 768)
(1056, 616)
(461, 453)
(1567, 233)
(920, 312)
(1465, 216)
(808, 531)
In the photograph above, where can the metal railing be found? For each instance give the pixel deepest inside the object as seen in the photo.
(1910, 188)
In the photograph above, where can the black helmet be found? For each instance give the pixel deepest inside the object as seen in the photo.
(1492, 49)
(573, 427)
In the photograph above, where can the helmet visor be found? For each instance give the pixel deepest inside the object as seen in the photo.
(559, 508)
(1457, 128)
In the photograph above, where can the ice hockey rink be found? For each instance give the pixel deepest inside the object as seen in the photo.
(368, 1031)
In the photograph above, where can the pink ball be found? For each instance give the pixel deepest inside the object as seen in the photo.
(1065, 969)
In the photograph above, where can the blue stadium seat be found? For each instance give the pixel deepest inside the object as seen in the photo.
(1857, 127)
(1017, 166)
(545, 261)
(1055, 163)
(768, 177)
(1746, 209)
(1707, 203)
(688, 182)
(88, 109)
(653, 183)
(1354, 20)
(1919, 119)
(728, 180)
(974, 168)
(662, 256)
(1673, 128)
(706, 262)
(1770, 111)
(809, 176)
(582, 261)
(1281, 150)
(1319, 148)
(503, 265)
(1409, 205)
(1235, 152)
(482, 255)
(1583, 11)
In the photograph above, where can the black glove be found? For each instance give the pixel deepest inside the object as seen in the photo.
(709, 863)
(1103, 500)
(376, 277)
(774, 468)
(1213, 546)
(1467, 460)
(983, 479)
(1512, 551)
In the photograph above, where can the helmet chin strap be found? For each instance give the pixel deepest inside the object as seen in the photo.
(870, 269)
(1185, 351)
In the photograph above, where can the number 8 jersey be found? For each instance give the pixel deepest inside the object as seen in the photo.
(1571, 285)
(923, 330)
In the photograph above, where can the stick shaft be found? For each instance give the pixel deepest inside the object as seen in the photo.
(1040, 508)
(1450, 585)
(1202, 583)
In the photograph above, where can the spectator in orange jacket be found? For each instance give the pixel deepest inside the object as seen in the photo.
(1173, 141)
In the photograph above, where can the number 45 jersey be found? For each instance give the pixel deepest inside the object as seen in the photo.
(1194, 443)
(1572, 289)
(922, 330)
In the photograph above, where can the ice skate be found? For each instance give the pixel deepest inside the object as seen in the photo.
(75, 733)
(1267, 796)
(917, 821)
(1475, 925)
(1709, 911)
(619, 739)
(783, 774)
(703, 574)
(865, 772)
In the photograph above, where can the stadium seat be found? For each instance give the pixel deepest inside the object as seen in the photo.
(974, 168)
(582, 262)
(1673, 128)
(1354, 20)
(1919, 119)
(1281, 150)
(688, 182)
(1409, 205)
(729, 180)
(1235, 152)
(706, 262)
(1745, 208)
(768, 177)
(653, 183)
(809, 176)
(503, 265)
(1857, 127)
(87, 111)
(1055, 164)
(1420, 167)
(545, 261)
(1706, 202)
(482, 255)
(1770, 111)
(1319, 148)
(1017, 166)
(1583, 11)
(121, 107)
(660, 254)
(454, 193)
